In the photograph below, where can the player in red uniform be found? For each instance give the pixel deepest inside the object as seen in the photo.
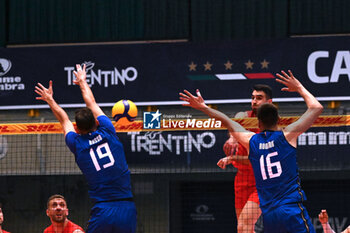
(246, 195)
(57, 211)
(2, 220)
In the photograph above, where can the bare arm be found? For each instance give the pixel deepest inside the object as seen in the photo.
(241, 134)
(86, 92)
(46, 94)
(323, 217)
(314, 108)
(231, 143)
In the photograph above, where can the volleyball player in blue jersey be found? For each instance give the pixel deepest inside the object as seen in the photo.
(272, 153)
(100, 156)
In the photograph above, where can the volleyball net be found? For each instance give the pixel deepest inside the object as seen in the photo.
(177, 185)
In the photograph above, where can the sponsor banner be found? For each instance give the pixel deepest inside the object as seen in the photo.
(154, 74)
(320, 148)
(169, 125)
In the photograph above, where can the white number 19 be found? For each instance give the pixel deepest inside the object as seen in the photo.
(101, 155)
(270, 166)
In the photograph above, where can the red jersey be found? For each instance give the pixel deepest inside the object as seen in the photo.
(242, 151)
(3, 231)
(70, 227)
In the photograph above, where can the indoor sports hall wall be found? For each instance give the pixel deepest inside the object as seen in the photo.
(77, 21)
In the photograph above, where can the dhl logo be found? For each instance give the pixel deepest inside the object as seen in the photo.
(249, 123)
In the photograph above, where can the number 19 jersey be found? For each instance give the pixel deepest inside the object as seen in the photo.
(100, 156)
(275, 169)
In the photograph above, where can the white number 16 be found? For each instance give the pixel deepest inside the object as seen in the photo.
(269, 166)
(101, 155)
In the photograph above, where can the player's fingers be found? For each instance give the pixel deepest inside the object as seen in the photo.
(184, 99)
(220, 164)
(38, 92)
(188, 93)
(50, 84)
(290, 73)
(38, 89)
(75, 73)
(281, 81)
(281, 77)
(285, 74)
(184, 95)
(285, 89)
(198, 93)
(84, 67)
(78, 67)
(41, 86)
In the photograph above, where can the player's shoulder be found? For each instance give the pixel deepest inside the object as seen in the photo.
(241, 115)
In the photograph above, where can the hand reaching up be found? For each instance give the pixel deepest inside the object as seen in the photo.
(80, 74)
(46, 94)
(292, 84)
(195, 102)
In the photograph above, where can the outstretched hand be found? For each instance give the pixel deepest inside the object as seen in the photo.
(80, 74)
(292, 84)
(46, 94)
(195, 102)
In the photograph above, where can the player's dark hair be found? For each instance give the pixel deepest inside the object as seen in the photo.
(53, 197)
(264, 88)
(268, 115)
(85, 120)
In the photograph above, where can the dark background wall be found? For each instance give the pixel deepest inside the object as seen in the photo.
(70, 21)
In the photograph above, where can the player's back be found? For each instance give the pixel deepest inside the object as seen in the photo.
(100, 156)
(275, 169)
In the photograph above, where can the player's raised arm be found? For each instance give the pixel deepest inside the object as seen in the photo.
(86, 92)
(314, 108)
(46, 94)
(239, 132)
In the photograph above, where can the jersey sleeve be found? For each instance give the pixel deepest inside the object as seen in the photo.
(70, 141)
(104, 121)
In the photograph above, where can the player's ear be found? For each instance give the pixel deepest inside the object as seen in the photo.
(47, 212)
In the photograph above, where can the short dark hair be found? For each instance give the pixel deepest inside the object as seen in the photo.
(268, 115)
(85, 120)
(53, 197)
(264, 88)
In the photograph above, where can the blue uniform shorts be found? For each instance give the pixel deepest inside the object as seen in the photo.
(288, 218)
(113, 217)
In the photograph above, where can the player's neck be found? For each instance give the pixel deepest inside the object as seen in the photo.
(59, 226)
(81, 132)
(273, 128)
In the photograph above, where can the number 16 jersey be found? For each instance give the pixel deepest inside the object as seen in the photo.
(100, 156)
(275, 169)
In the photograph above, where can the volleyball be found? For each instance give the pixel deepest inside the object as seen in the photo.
(124, 112)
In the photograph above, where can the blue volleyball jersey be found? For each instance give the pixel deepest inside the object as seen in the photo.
(275, 169)
(100, 156)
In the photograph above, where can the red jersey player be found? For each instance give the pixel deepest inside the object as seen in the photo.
(57, 211)
(246, 195)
